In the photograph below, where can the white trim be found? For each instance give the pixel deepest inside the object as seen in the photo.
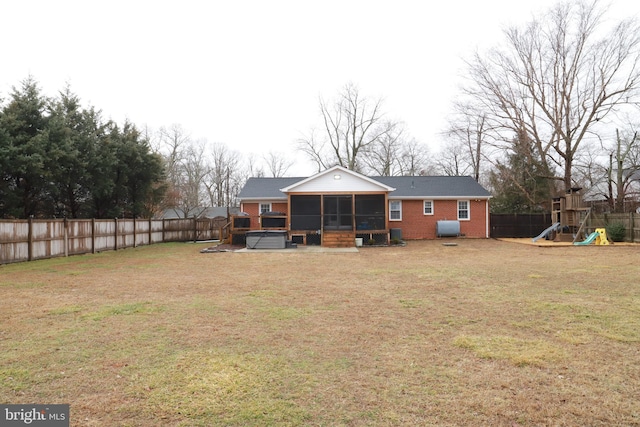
(338, 170)
(468, 218)
(395, 219)
(486, 220)
(432, 209)
(264, 203)
(263, 199)
(427, 197)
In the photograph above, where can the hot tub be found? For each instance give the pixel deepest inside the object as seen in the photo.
(267, 239)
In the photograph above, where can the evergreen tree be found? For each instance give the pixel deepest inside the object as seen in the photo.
(23, 148)
(520, 185)
(126, 175)
(72, 138)
(58, 159)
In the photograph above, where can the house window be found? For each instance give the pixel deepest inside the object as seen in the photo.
(463, 210)
(265, 207)
(395, 210)
(428, 207)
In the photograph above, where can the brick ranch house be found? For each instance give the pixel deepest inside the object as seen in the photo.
(336, 206)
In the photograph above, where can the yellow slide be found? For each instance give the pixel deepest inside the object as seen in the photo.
(599, 237)
(602, 237)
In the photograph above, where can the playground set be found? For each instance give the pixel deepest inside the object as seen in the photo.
(569, 216)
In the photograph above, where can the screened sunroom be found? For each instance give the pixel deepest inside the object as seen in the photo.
(313, 215)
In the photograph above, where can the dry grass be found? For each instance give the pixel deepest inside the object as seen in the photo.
(485, 333)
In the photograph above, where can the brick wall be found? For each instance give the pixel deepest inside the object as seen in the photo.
(477, 226)
(279, 207)
(253, 209)
(416, 225)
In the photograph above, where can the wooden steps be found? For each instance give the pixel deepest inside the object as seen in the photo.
(339, 239)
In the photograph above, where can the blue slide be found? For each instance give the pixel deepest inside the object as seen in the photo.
(589, 240)
(555, 226)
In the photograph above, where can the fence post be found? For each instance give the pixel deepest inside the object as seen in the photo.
(30, 240)
(163, 225)
(150, 234)
(93, 235)
(134, 233)
(195, 229)
(66, 238)
(115, 246)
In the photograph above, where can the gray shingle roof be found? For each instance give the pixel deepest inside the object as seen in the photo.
(199, 212)
(266, 188)
(433, 186)
(419, 187)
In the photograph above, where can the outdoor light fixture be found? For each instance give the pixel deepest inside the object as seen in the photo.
(337, 176)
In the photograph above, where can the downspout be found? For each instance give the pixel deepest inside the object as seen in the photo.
(289, 215)
(486, 204)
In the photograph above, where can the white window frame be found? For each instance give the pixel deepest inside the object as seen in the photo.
(261, 204)
(424, 207)
(399, 210)
(466, 209)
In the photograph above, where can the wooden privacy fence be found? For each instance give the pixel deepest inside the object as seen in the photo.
(518, 225)
(28, 240)
(530, 225)
(631, 222)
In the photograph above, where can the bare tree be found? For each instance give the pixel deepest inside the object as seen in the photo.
(415, 159)
(199, 173)
(225, 176)
(277, 164)
(314, 147)
(255, 166)
(556, 79)
(194, 170)
(624, 169)
(393, 154)
(469, 132)
(350, 126)
(382, 157)
(173, 143)
(453, 160)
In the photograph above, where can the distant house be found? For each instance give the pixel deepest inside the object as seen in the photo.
(336, 206)
(200, 212)
(597, 197)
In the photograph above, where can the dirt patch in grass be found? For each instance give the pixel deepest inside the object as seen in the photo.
(482, 333)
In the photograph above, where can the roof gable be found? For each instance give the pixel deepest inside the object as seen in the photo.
(336, 180)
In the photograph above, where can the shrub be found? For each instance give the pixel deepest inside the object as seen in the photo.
(616, 231)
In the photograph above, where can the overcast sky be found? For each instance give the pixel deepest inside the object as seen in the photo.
(249, 73)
